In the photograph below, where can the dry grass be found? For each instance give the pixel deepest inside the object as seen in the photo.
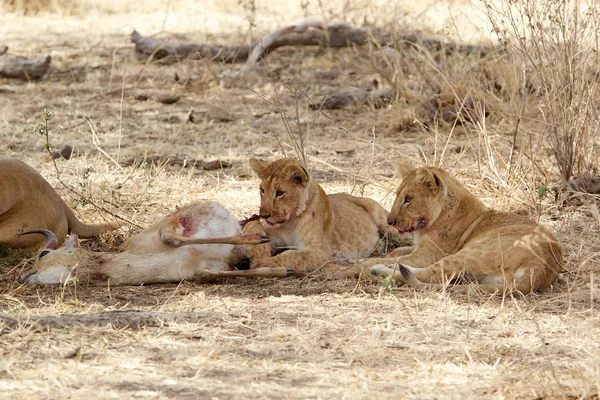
(292, 338)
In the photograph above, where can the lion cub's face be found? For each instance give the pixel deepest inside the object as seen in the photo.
(283, 190)
(419, 200)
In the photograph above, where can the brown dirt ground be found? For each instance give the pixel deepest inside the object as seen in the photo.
(289, 338)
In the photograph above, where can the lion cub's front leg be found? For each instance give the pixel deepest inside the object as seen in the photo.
(298, 260)
(423, 255)
(401, 251)
(256, 252)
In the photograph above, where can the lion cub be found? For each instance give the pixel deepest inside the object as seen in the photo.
(307, 227)
(457, 236)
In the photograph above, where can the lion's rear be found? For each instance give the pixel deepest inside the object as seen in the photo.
(529, 254)
(356, 225)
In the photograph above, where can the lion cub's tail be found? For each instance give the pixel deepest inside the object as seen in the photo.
(84, 230)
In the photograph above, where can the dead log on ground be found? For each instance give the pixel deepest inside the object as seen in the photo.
(23, 68)
(117, 319)
(305, 33)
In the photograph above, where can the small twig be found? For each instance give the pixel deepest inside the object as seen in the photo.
(95, 142)
(98, 207)
(518, 121)
(121, 113)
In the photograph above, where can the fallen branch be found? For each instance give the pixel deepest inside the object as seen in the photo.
(305, 33)
(147, 48)
(117, 319)
(23, 68)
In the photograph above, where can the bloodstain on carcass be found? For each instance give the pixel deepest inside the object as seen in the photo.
(188, 224)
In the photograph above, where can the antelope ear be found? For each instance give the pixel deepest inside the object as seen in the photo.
(402, 170)
(299, 175)
(72, 243)
(258, 166)
(430, 179)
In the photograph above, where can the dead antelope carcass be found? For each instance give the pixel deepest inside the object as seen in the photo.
(196, 242)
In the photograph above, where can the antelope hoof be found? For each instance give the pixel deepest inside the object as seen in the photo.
(263, 239)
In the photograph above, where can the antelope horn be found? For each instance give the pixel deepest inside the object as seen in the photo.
(52, 243)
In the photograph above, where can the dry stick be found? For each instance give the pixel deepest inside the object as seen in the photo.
(95, 142)
(81, 196)
(121, 115)
(132, 78)
(518, 121)
(420, 53)
(98, 207)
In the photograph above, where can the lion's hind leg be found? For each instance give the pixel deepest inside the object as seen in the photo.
(456, 269)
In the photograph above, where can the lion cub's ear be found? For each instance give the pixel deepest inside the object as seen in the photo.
(299, 175)
(258, 166)
(430, 179)
(402, 170)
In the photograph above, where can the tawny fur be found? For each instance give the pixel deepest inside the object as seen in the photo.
(307, 227)
(27, 201)
(147, 258)
(458, 236)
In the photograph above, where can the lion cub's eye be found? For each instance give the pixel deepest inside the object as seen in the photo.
(407, 200)
(43, 253)
(262, 192)
(279, 193)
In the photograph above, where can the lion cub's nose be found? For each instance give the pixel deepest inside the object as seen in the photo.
(391, 220)
(264, 214)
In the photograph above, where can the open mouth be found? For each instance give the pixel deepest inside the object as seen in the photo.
(409, 230)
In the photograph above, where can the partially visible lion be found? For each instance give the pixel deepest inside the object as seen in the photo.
(27, 201)
(458, 237)
(306, 227)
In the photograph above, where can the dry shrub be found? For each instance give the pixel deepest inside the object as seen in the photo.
(450, 94)
(528, 110)
(556, 44)
(33, 7)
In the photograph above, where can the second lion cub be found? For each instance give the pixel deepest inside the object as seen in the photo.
(307, 227)
(457, 236)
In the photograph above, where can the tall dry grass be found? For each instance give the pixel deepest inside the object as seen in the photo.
(556, 45)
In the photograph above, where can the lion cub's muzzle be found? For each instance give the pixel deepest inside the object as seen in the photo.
(407, 226)
(273, 219)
